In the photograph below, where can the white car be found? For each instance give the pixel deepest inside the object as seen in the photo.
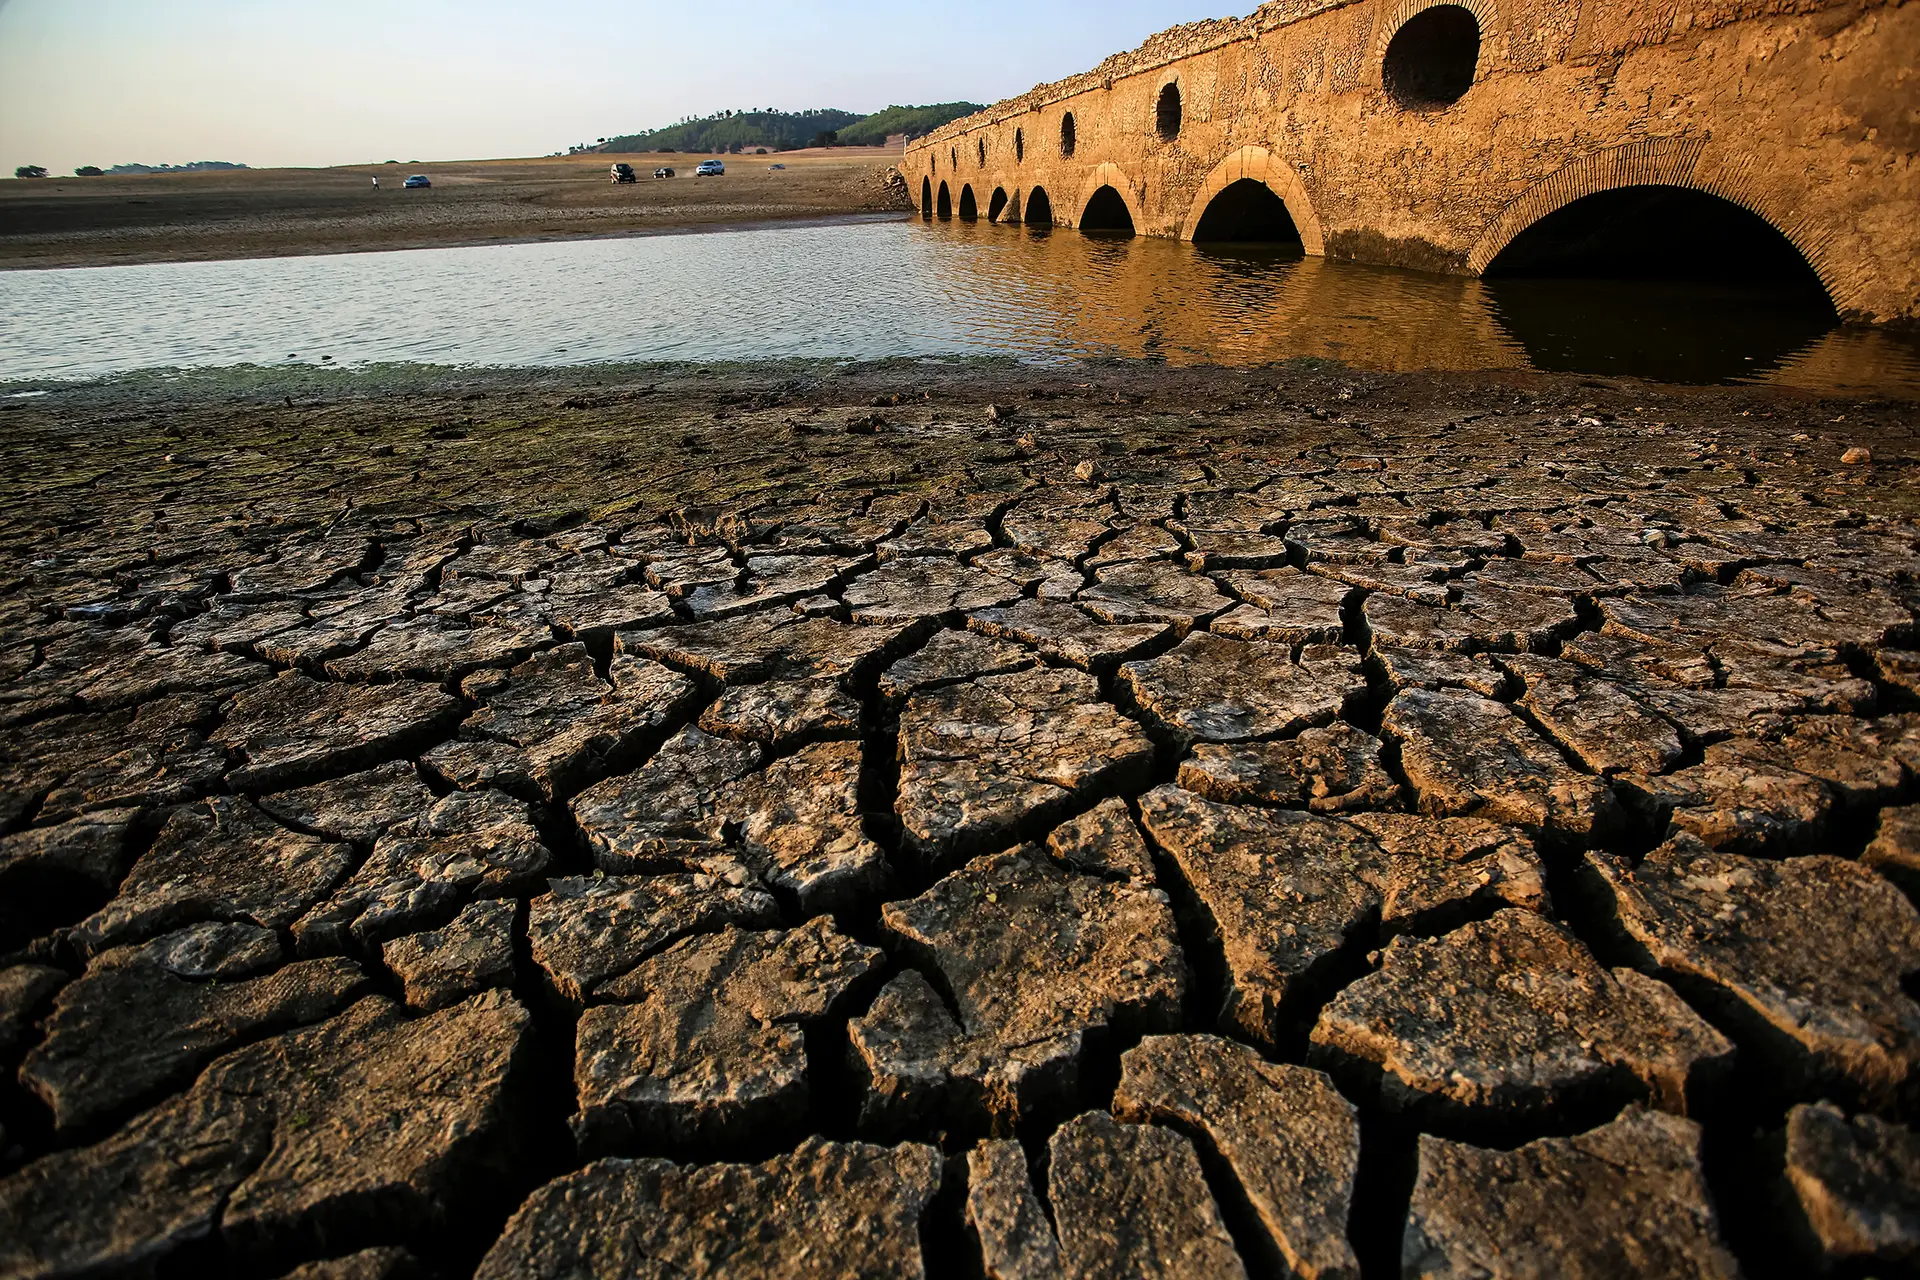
(710, 169)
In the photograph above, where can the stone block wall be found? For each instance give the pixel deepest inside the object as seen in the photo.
(1802, 111)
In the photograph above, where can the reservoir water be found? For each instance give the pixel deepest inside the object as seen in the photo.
(896, 286)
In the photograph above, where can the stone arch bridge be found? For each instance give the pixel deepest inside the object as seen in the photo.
(1433, 133)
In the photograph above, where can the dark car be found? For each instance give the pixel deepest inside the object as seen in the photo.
(624, 173)
(663, 172)
(417, 180)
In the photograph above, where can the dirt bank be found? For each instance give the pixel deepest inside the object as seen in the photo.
(72, 222)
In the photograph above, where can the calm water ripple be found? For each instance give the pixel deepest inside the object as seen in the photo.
(899, 287)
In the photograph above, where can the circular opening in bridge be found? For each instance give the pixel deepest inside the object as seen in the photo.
(1430, 60)
(1019, 145)
(1039, 208)
(980, 145)
(1247, 212)
(1166, 113)
(1066, 135)
(969, 211)
(1658, 282)
(943, 206)
(1107, 212)
(926, 198)
(996, 204)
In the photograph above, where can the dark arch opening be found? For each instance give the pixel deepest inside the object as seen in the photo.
(1673, 233)
(1166, 113)
(1429, 62)
(1019, 145)
(1106, 211)
(980, 145)
(1247, 212)
(996, 204)
(1067, 139)
(1657, 281)
(926, 198)
(1039, 208)
(953, 155)
(943, 206)
(969, 211)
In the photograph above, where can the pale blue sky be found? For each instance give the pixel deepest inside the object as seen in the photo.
(270, 82)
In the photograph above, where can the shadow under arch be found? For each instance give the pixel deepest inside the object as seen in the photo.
(1257, 164)
(996, 204)
(1108, 174)
(926, 198)
(1248, 212)
(943, 203)
(1655, 280)
(1685, 163)
(1106, 212)
(1039, 208)
(969, 209)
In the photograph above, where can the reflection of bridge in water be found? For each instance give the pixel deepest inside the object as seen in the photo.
(1068, 294)
(1499, 137)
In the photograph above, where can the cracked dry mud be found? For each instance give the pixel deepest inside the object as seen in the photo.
(1193, 824)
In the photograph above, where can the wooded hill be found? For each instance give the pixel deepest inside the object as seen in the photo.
(786, 130)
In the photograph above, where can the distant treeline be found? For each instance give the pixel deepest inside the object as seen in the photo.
(785, 130)
(912, 121)
(197, 166)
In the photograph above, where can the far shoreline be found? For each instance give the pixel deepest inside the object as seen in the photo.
(235, 215)
(796, 222)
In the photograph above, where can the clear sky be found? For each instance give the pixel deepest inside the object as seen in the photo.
(273, 82)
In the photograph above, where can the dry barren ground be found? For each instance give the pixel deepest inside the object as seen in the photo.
(256, 213)
(804, 822)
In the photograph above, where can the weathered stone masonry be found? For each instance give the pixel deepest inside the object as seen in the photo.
(1801, 111)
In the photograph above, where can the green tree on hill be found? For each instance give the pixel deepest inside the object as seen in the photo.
(912, 121)
(785, 130)
(31, 171)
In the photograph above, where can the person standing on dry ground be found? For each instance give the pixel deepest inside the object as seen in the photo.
(376, 184)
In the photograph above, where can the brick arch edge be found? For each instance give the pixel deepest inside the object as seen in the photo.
(1260, 165)
(1108, 174)
(1484, 12)
(1681, 162)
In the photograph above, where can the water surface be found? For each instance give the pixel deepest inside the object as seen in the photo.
(901, 287)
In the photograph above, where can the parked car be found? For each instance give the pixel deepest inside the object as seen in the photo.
(663, 172)
(417, 180)
(772, 167)
(710, 169)
(624, 173)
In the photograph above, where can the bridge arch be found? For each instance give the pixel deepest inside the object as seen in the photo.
(1259, 165)
(969, 207)
(1039, 208)
(926, 198)
(1683, 163)
(997, 202)
(1109, 175)
(943, 203)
